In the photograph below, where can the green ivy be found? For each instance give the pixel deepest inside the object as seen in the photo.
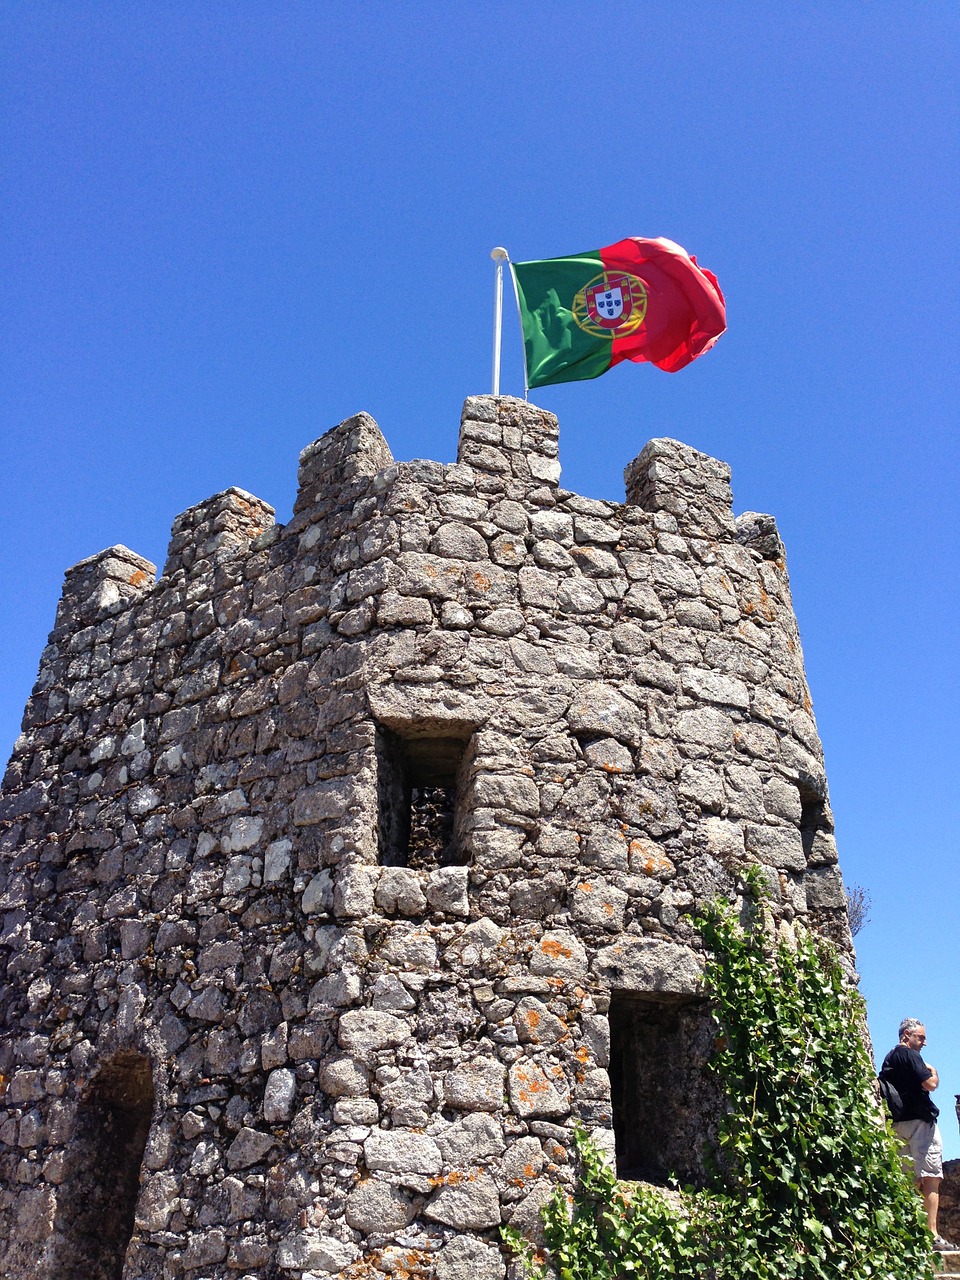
(808, 1185)
(609, 1229)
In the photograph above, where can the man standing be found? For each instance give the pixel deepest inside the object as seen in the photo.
(917, 1129)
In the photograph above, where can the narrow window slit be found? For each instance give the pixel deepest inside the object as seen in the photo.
(812, 809)
(420, 795)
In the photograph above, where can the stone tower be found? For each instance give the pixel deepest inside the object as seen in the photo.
(349, 863)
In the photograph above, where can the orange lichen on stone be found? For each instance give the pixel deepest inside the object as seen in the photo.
(138, 578)
(416, 1264)
(646, 859)
(530, 1085)
(481, 581)
(555, 949)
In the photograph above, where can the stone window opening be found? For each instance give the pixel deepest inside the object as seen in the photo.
(421, 785)
(812, 809)
(666, 1104)
(98, 1198)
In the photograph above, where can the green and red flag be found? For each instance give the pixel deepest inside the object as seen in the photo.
(634, 300)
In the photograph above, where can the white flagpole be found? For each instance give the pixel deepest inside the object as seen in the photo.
(500, 256)
(523, 345)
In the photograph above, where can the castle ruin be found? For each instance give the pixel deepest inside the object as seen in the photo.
(351, 862)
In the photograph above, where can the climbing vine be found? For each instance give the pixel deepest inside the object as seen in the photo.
(807, 1184)
(609, 1229)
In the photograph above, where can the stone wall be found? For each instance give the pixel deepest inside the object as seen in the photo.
(258, 1013)
(949, 1219)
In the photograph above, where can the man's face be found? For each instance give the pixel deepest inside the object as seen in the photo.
(915, 1038)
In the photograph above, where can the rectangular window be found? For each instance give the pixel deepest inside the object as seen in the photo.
(421, 782)
(666, 1104)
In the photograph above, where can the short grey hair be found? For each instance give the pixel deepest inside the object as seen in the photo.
(909, 1024)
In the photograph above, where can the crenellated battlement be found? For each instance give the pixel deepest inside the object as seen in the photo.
(349, 863)
(506, 447)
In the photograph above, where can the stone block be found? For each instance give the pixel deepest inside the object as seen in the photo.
(470, 1202)
(475, 1085)
(534, 1092)
(648, 967)
(400, 1151)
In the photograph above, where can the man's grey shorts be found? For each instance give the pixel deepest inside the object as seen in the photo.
(922, 1148)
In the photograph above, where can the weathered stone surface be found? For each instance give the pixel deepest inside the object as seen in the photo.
(353, 855)
(647, 967)
(250, 1146)
(364, 1031)
(311, 1251)
(476, 1085)
(466, 1258)
(279, 1096)
(399, 890)
(559, 954)
(471, 1201)
(474, 1138)
(604, 713)
(379, 1207)
(537, 1092)
(596, 902)
(399, 1151)
(447, 890)
(536, 1024)
(344, 1076)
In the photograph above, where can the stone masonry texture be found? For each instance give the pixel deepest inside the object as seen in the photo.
(350, 863)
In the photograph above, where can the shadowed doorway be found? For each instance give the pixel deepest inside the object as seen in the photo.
(98, 1197)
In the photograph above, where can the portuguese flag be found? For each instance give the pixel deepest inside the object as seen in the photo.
(633, 300)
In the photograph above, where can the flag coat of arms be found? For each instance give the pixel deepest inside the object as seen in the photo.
(634, 300)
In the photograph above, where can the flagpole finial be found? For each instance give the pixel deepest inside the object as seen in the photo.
(499, 254)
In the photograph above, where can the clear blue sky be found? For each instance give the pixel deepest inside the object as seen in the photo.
(227, 226)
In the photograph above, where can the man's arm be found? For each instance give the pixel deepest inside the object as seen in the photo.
(931, 1081)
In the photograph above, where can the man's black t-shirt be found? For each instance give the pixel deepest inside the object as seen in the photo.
(906, 1071)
